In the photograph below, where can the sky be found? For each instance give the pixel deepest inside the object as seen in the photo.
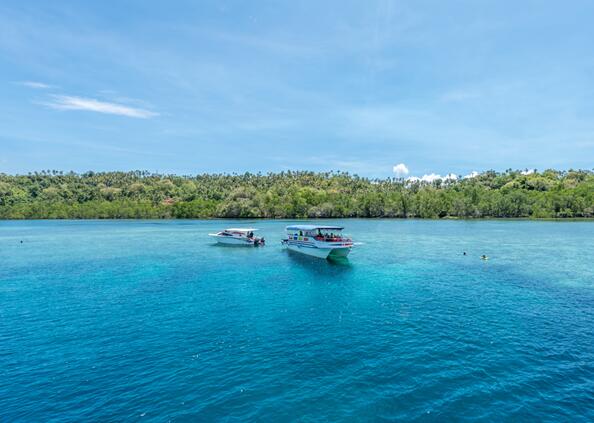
(190, 87)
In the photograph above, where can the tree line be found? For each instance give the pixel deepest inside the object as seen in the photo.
(300, 194)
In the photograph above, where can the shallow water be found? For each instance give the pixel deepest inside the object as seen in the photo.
(148, 320)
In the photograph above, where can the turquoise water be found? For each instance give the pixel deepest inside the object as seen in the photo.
(148, 320)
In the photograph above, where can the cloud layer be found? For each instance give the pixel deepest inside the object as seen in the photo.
(400, 170)
(36, 85)
(472, 174)
(432, 177)
(65, 102)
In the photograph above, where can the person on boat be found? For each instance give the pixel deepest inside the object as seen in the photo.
(484, 257)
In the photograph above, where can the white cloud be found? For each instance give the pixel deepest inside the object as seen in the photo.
(471, 175)
(400, 170)
(451, 177)
(36, 85)
(432, 177)
(528, 171)
(64, 102)
(425, 178)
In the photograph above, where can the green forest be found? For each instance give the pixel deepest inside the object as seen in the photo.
(143, 195)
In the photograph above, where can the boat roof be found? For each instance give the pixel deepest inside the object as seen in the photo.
(241, 229)
(313, 227)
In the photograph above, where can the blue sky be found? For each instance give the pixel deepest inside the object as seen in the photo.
(230, 86)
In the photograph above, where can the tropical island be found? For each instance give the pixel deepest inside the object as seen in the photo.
(300, 194)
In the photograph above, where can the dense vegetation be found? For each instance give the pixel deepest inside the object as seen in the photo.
(55, 195)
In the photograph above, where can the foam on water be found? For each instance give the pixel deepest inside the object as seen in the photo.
(123, 320)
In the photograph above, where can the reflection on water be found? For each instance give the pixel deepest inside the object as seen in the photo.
(320, 267)
(218, 244)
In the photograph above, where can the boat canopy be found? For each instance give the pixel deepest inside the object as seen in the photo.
(313, 228)
(240, 230)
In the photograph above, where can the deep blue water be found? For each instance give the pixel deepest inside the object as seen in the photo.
(148, 320)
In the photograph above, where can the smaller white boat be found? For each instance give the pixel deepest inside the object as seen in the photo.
(238, 236)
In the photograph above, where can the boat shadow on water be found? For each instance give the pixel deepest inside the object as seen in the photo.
(235, 246)
(330, 267)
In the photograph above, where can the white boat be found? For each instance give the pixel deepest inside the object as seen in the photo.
(318, 241)
(238, 236)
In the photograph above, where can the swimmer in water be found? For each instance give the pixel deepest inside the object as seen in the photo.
(484, 257)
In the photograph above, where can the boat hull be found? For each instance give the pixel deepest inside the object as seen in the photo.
(339, 252)
(229, 240)
(323, 253)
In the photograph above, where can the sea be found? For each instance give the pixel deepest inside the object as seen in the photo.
(140, 320)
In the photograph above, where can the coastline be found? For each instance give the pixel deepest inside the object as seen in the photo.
(301, 219)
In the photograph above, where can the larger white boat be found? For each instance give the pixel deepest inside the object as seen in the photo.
(318, 241)
(238, 236)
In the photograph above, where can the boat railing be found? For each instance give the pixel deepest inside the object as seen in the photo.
(332, 239)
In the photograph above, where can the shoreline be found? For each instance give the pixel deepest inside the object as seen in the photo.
(301, 219)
